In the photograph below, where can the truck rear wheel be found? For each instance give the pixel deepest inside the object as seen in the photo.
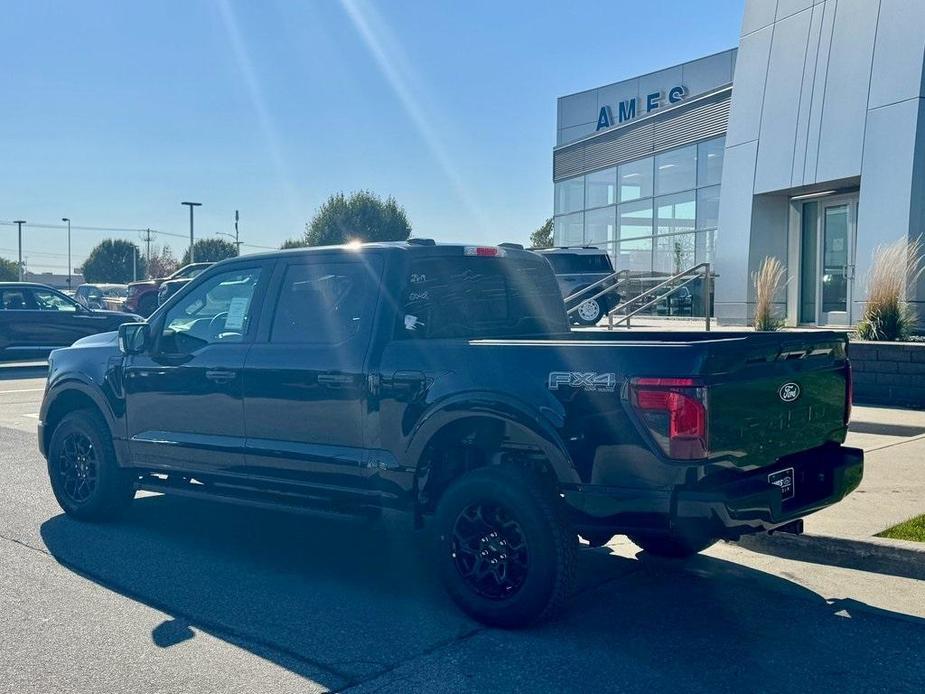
(505, 550)
(82, 468)
(672, 546)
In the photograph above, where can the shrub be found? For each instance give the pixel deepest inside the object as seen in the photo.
(887, 316)
(768, 281)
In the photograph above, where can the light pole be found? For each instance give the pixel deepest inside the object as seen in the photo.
(191, 205)
(237, 243)
(19, 223)
(68, 220)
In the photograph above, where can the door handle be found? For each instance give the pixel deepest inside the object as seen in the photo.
(406, 384)
(334, 379)
(220, 375)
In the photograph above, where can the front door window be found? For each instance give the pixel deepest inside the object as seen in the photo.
(828, 231)
(835, 259)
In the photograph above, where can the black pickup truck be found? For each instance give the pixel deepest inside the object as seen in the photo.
(444, 380)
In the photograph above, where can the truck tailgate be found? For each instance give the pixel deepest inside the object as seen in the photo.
(775, 395)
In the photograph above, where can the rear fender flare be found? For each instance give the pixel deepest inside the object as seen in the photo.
(523, 424)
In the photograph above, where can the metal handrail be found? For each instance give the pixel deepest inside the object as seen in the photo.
(607, 290)
(693, 271)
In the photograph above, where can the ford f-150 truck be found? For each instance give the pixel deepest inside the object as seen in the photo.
(444, 380)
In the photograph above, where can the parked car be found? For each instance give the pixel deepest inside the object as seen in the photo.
(578, 268)
(142, 295)
(95, 295)
(35, 319)
(170, 287)
(444, 380)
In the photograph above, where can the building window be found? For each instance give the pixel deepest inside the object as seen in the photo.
(635, 180)
(635, 219)
(568, 230)
(601, 188)
(676, 213)
(710, 162)
(570, 195)
(635, 255)
(708, 207)
(676, 170)
(600, 225)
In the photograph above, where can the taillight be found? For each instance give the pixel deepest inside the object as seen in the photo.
(849, 391)
(484, 251)
(674, 410)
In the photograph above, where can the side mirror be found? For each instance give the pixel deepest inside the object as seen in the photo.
(133, 337)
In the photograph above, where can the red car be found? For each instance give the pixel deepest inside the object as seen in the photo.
(142, 296)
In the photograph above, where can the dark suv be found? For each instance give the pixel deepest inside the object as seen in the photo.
(443, 380)
(578, 268)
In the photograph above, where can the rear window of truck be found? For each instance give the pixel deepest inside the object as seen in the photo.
(480, 297)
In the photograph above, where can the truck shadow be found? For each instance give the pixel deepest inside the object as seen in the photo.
(342, 600)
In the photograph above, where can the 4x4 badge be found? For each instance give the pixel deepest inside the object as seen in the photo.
(789, 392)
(582, 380)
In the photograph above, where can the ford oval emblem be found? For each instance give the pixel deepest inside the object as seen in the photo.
(789, 392)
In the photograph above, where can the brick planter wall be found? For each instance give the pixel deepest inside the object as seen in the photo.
(888, 373)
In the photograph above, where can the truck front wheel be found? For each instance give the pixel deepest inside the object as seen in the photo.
(672, 546)
(85, 478)
(505, 550)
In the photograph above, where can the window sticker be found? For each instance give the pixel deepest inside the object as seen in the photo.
(412, 322)
(237, 311)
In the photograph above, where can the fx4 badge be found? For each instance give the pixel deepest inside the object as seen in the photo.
(789, 392)
(590, 381)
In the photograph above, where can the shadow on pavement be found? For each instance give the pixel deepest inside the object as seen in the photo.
(903, 430)
(342, 600)
(15, 372)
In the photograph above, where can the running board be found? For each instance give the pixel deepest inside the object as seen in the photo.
(254, 498)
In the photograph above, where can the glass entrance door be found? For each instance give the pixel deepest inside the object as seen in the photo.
(827, 250)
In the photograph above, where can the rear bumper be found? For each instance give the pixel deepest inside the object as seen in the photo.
(739, 505)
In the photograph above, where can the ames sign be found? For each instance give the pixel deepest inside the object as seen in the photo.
(630, 108)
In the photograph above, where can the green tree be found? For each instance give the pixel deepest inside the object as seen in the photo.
(211, 251)
(542, 237)
(111, 261)
(293, 243)
(360, 216)
(9, 270)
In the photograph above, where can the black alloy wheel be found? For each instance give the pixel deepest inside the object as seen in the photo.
(490, 550)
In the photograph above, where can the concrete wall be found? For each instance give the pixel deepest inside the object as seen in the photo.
(578, 113)
(824, 90)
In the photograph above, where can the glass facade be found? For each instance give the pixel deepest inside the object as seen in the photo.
(657, 215)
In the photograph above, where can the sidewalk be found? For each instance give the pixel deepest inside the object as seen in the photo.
(893, 490)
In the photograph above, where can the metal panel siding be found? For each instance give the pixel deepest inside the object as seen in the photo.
(702, 120)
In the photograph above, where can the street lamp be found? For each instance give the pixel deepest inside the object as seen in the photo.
(68, 220)
(19, 223)
(191, 205)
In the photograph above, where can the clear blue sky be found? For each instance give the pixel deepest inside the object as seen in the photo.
(114, 112)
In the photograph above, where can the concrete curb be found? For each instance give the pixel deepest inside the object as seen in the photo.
(873, 554)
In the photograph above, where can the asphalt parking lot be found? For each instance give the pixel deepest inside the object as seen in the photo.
(199, 597)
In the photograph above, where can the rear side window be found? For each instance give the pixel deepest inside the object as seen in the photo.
(15, 300)
(478, 297)
(323, 303)
(574, 263)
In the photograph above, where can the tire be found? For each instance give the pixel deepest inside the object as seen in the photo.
(147, 304)
(589, 312)
(82, 468)
(672, 546)
(533, 547)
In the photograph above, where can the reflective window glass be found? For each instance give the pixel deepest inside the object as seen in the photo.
(710, 161)
(635, 180)
(600, 225)
(635, 219)
(708, 207)
(570, 195)
(601, 188)
(676, 170)
(568, 230)
(676, 213)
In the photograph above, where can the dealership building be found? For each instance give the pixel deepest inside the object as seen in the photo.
(805, 143)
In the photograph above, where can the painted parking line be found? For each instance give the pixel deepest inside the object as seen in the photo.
(22, 390)
(32, 416)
